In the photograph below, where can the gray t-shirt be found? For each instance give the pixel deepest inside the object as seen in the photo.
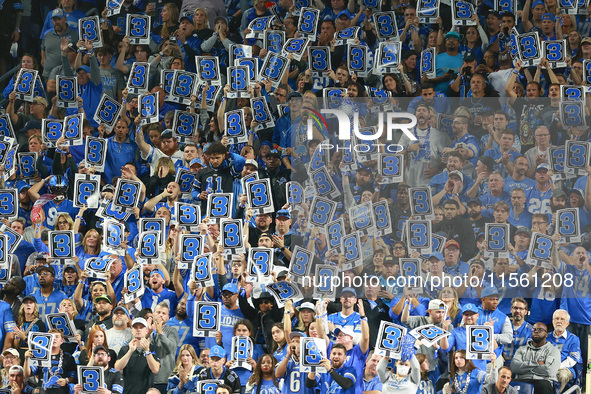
(51, 46)
(113, 81)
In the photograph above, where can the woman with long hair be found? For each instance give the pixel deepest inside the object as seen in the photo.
(263, 377)
(279, 345)
(68, 307)
(449, 296)
(170, 18)
(91, 243)
(27, 321)
(425, 385)
(406, 378)
(244, 328)
(475, 40)
(184, 375)
(163, 175)
(29, 62)
(96, 337)
(573, 44)
(465, 378)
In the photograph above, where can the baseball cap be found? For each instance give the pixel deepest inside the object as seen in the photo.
(437, 255)
(586, 40)
(452, 34)
(186, 15)
(306, 305)
(231, 287)
(167, 134)
(69, 266)
(348, 290)
(33, 124)
(523, 230)
(489, 291)
(488, 162)
(469, 308)
(436, 305)
(345, 13)
(451, 242)
(273, 152)
(458, 173)
(548, 17)
(282, 272)
(108, 188)
(157, 271)
(494, 12)
(40, 100)
(220, 18)
(389, 259)
(294, 95)
(217, 351)
(347, 330)
(556, 193)
(104, 297)
(83, 68)
(283, 213)
(252, 162)
(100, 347)
(477, 262)
(12, 351)
(578, 191)
(196, 161)
(536, 3)
(58, 13)
(542, 166)
(42, 255)
(294, 334)
(139, 320)
(46, 268)
(29, 298)
(470, 57)
(122, 308)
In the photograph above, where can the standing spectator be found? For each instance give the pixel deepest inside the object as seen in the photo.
(165, 339)
(51, 42)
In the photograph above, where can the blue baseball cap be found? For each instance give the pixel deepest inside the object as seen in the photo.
(217, 351)
(348, 290)
(294, 334)
(122, 308)
(452, 34)
(469, 308)
(83, 68)
(196, 161)
(157, 271)
(283, 213)
(489, 291)
(548, 17)
(536, 3)
(231, 287)
(437, 255)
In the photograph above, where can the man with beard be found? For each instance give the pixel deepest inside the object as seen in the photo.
(569, 346)
(437, 101)
(521, 328)
(263, 223)
(574, 298)
(113, 379)
(455, 227)
(455, 162)
(168, 148)
(424, 154)
(156, 292)
(10, 292)
(371, 380)
(56, 378)
(104, 317)
(278, 176)
(519, 176)
(459, 128)
(119, 335)
(166, 199)
(166, 340)
(538, 197)
(436, 313)
(400, 211)
(490, 315)
(230, 314)
(183, 324)
(477, 221)
(138, 361)
(338, 378)
(448, 63)
(529, 109)
(537, 362)
(48, 299)
(289, 367)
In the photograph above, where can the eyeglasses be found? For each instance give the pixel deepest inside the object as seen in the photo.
(538, 330)
(516, 308)
(266, 302)
(62, 222)
(398, 247)
(227, 295)
(44, 273)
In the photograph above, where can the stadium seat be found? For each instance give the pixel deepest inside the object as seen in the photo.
(523, 388)
(574, 389)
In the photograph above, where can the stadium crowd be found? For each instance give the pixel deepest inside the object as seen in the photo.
(496, 142)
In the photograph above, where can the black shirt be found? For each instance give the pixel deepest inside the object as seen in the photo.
(137, 374)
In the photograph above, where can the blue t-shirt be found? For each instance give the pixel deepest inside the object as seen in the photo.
(267, 387)
(151, 299)
(329, 385)
(49, 304)
(52, 210)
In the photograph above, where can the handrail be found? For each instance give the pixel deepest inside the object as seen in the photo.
(10, 73)
(574, 389)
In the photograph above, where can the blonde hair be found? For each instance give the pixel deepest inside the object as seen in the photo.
(190, 349)
(20, 319)
(166, 162)
(68, 219)
(173, 11)
(206, 15)
(99, 241)
(75, 310)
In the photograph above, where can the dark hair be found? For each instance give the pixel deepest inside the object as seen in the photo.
(508, 14)
(257, 373)
(225, 387)
(455, 153)
(246, 323)
(216, 148)
(427, 85)
(520, 299)
(451, 202)
(339, 346)
(452, 365)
